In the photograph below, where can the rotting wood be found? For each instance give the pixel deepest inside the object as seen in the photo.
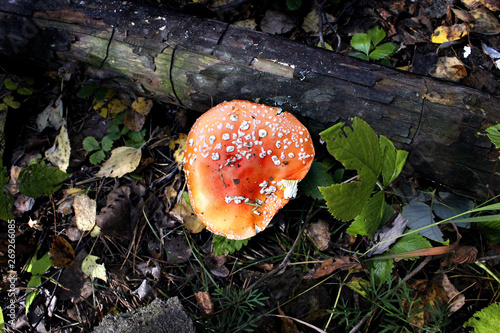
(196, 63)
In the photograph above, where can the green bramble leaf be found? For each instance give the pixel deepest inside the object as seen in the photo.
(36, 267)
(359, 55)
(37, 180)
(370, 218)
(361, 42)
(376, 35)
(381, 270)
(393, 161)
(487, 320)
(9, 84)
(106, 143)
(31, 292)
(493, 132)
(357, 148)
(9, 100)
(25, 91)
(383, 51)
(97, 157)
(90, 144)
(316, 177)
(410, 242)
(223, 246)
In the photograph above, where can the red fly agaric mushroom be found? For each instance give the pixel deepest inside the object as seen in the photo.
(242, 163)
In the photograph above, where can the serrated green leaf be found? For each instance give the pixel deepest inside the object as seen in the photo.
(357, 149)
(37, 180)
(87, 90)
(487, 320)
(90, 144)
(370, 218)
(100, 94)
(410, 242)
(9, 100)
(493, 132)
(97, 157)
(420, 216)
(9, 84)
(3, 107)
(24, 91)
(376, 35)
(106, 143)
(361, 42)
(393, 161)
(381, 270)
(317, 176)
(383, 51)
(359, 55)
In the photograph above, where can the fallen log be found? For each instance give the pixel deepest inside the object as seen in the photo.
(196, 63)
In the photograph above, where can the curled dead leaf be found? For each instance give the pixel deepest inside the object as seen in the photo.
(330, 265)
(204, 301)
(61, 253)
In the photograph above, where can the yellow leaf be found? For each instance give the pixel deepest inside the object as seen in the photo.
(448, 34)
(179, 152)
(59, 153)
(122, 161)
(85, 212)
(111, 106)
(93, 269)
(95, 232)
(142, 105)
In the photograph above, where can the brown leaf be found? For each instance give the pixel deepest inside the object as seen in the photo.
(330, 265)
(204, 301)
(216, 265)
(134, 120)
(183, 211)
(61, 253)
(142, 105)
(114, 219)
(485, 22)
(287, 324)
(319, 233)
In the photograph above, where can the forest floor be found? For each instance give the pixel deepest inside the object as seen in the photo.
(305, 272)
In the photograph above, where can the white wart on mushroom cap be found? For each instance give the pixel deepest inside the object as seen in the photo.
(242, 163)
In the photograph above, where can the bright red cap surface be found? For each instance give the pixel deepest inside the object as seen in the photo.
(242, 162)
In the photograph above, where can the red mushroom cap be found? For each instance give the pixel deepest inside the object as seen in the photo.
(242, 163)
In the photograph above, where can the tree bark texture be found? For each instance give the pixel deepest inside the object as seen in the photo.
(197, 63)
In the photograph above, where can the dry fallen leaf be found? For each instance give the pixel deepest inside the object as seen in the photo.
(319, 233)
(61, 253)
(179, 145)
(114, 218)
(52, 116)
(85, 212)
(134, 121)
(485, 22)
(330, 265)
(93, 269)
(447, 34)
(142, 105)
(59, 153)
(110, 106)
(204, 301)
(183, 211)
(144, 290)
(122, 161)
(449, 68)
